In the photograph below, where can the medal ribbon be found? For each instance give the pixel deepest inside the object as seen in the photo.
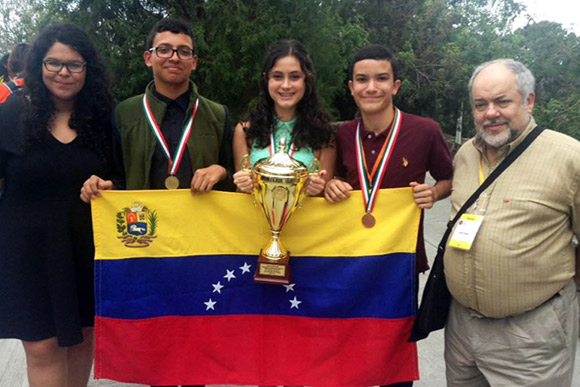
(174, 162)
(273, 149)
(370, 183)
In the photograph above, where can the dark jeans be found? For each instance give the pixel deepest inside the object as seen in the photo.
(403, 384)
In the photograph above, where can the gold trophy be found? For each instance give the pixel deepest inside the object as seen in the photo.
(280, 186)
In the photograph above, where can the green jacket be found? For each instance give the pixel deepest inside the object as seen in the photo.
(211, 137)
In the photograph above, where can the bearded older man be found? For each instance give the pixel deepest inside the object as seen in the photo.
(514, 316)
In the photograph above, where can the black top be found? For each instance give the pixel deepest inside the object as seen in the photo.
(46, 246)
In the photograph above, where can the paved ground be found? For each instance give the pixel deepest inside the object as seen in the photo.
(431, 364)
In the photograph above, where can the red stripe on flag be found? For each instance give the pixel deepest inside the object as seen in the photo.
(255, 350)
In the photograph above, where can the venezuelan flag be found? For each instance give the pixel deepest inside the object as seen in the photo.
(176, 302)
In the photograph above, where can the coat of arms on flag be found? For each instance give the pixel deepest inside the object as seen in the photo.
(136, 225)
(185, 309)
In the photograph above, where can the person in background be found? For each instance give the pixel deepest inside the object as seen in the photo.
(52, 138)
(3, 68)
(15, 67)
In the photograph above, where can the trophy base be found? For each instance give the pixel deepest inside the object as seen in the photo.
(272, 272)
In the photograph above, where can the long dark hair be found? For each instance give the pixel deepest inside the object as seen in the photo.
(91, 117)
(312, 126)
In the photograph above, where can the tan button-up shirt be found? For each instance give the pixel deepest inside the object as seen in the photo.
(523, 253)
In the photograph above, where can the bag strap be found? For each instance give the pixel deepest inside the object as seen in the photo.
(490, 179)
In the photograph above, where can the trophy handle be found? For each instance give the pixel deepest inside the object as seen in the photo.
(314, 171)
(245, 166)
(315, 167)
(245, 163)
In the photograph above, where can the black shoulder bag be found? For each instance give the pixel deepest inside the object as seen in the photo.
(436, 300)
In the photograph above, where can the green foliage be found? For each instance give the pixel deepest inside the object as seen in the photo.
(438, 44)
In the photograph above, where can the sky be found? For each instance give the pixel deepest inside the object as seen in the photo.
(565, 12)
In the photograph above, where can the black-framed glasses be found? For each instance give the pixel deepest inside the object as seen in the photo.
(167, 52)
(54, 66)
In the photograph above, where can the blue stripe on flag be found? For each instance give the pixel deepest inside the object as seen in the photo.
(325, 287)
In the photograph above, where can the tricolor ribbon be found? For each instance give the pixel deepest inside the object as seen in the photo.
(273, 148)
(174, 162)
(370, 183)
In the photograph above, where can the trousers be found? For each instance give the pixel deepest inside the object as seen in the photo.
(536, 348)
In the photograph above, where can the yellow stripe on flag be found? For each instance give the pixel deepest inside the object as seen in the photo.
(177, 223)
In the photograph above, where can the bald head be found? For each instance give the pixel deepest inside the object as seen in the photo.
(525, 81)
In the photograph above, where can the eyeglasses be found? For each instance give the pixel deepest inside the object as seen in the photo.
(167, 52)
(54, 66)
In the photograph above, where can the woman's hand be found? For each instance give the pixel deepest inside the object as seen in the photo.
(316, 184)
(243, 180)
(92, 188)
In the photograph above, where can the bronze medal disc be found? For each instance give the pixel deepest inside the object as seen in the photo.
(171, 182)
(368, 220)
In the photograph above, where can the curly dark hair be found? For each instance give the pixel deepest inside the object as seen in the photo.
(312, 126)
(91, 118)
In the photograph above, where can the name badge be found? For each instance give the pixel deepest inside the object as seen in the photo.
(465, 232)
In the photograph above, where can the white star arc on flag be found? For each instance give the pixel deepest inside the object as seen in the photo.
(210, 304)
(217, 287)
(289, 288)
(294, 303)
(245, 268)
(229, 275)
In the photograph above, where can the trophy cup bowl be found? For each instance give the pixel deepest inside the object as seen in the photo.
(279, 190)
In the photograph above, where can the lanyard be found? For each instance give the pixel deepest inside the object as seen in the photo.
(481, 175)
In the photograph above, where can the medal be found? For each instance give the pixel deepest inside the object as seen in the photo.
(171, 182)
(368, 220)
(370, 182)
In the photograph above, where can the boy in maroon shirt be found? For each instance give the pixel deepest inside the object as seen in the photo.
(418, 148)
(402, 145)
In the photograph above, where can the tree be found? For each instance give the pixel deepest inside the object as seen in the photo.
(553, 56)
(438, 43)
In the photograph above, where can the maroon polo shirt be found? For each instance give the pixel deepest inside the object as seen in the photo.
(420, 148)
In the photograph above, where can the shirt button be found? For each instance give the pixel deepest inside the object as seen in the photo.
(373, 152)
(370, 136)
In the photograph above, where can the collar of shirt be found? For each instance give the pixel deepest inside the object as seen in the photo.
(182, 101)
(365, 133)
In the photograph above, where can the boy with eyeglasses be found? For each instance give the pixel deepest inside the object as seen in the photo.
(151, 126)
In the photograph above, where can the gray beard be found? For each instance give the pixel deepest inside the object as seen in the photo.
(497, 141)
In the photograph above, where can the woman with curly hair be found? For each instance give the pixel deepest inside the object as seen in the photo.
(52, 139)
(289, 108)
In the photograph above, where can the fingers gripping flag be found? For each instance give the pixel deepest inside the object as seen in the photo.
(176, 302)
